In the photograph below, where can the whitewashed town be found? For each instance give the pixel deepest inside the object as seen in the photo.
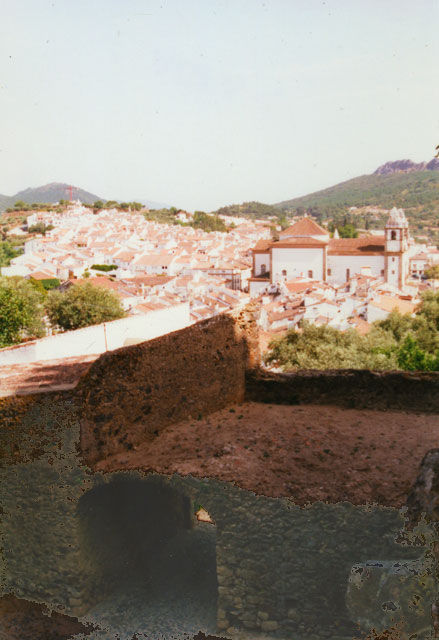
(170, 276)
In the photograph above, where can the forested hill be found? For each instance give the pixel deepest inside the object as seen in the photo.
(249, 210)
(52, 192)
(413, 190)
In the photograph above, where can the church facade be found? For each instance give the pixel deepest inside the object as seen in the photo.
(305, 250)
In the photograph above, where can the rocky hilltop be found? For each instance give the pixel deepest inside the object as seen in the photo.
(404, 166)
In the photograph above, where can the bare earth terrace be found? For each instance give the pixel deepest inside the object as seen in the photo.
(305, 452)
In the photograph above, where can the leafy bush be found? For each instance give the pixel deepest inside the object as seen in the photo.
(398, 342)
(21, 311)
(82, 305)
(104, 267)
(7, 252)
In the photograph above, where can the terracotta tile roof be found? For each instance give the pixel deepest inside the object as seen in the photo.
(295, 286)
(389, 303)
(42, 275)
(125, 256)
(262, 245)
(357, 246)
(149, 281)
(298, 242)
(304, 227)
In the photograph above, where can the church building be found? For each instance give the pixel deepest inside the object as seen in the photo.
(305, 250)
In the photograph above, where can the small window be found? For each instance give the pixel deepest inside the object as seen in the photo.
(382, 272)
(310, 274)
(393, 273)
(284, 272)
(393, 259)
(348, 274)
(263, 268)
(393, 235)
(329, 272)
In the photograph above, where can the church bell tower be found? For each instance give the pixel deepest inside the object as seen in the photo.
(396, 256)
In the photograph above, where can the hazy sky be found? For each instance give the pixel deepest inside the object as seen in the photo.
(203, 103)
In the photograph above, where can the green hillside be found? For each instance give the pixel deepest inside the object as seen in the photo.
(249, 210)
(417, 192)
(5, 201)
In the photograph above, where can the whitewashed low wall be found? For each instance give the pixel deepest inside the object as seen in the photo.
(101, 337)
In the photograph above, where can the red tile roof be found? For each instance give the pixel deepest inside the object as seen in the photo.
(295, 286)
(262, 245)
(304, 227)
(357, 246)
(301, 241)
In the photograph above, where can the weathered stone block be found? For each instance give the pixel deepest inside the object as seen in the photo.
(269, 625)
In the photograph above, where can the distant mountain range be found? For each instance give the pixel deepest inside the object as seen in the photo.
(56, 191)
(401, 183)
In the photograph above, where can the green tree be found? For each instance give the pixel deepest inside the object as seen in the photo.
(7, 252)
(328, 348)
(82, 305)
(40, 227)
(429, 308)
(432, 272)
(98, 204)
(348, 231)
(21, 311)
(412, 358)
(396, 324)
(202, 220)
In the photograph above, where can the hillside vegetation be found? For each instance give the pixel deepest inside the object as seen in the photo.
(416, 191)
(249, 210)
(398, 342)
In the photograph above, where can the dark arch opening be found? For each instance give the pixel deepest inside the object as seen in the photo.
(150, 563)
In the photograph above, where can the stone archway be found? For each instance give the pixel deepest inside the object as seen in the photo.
(151, 564)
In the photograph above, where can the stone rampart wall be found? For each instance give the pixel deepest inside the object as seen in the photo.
(284, 569)
(349, 388)
(39, 528)
(130, 394)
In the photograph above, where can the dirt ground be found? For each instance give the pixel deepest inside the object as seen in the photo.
(307, 453)
(21, 619)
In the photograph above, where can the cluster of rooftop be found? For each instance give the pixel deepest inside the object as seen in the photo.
(208, 270)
